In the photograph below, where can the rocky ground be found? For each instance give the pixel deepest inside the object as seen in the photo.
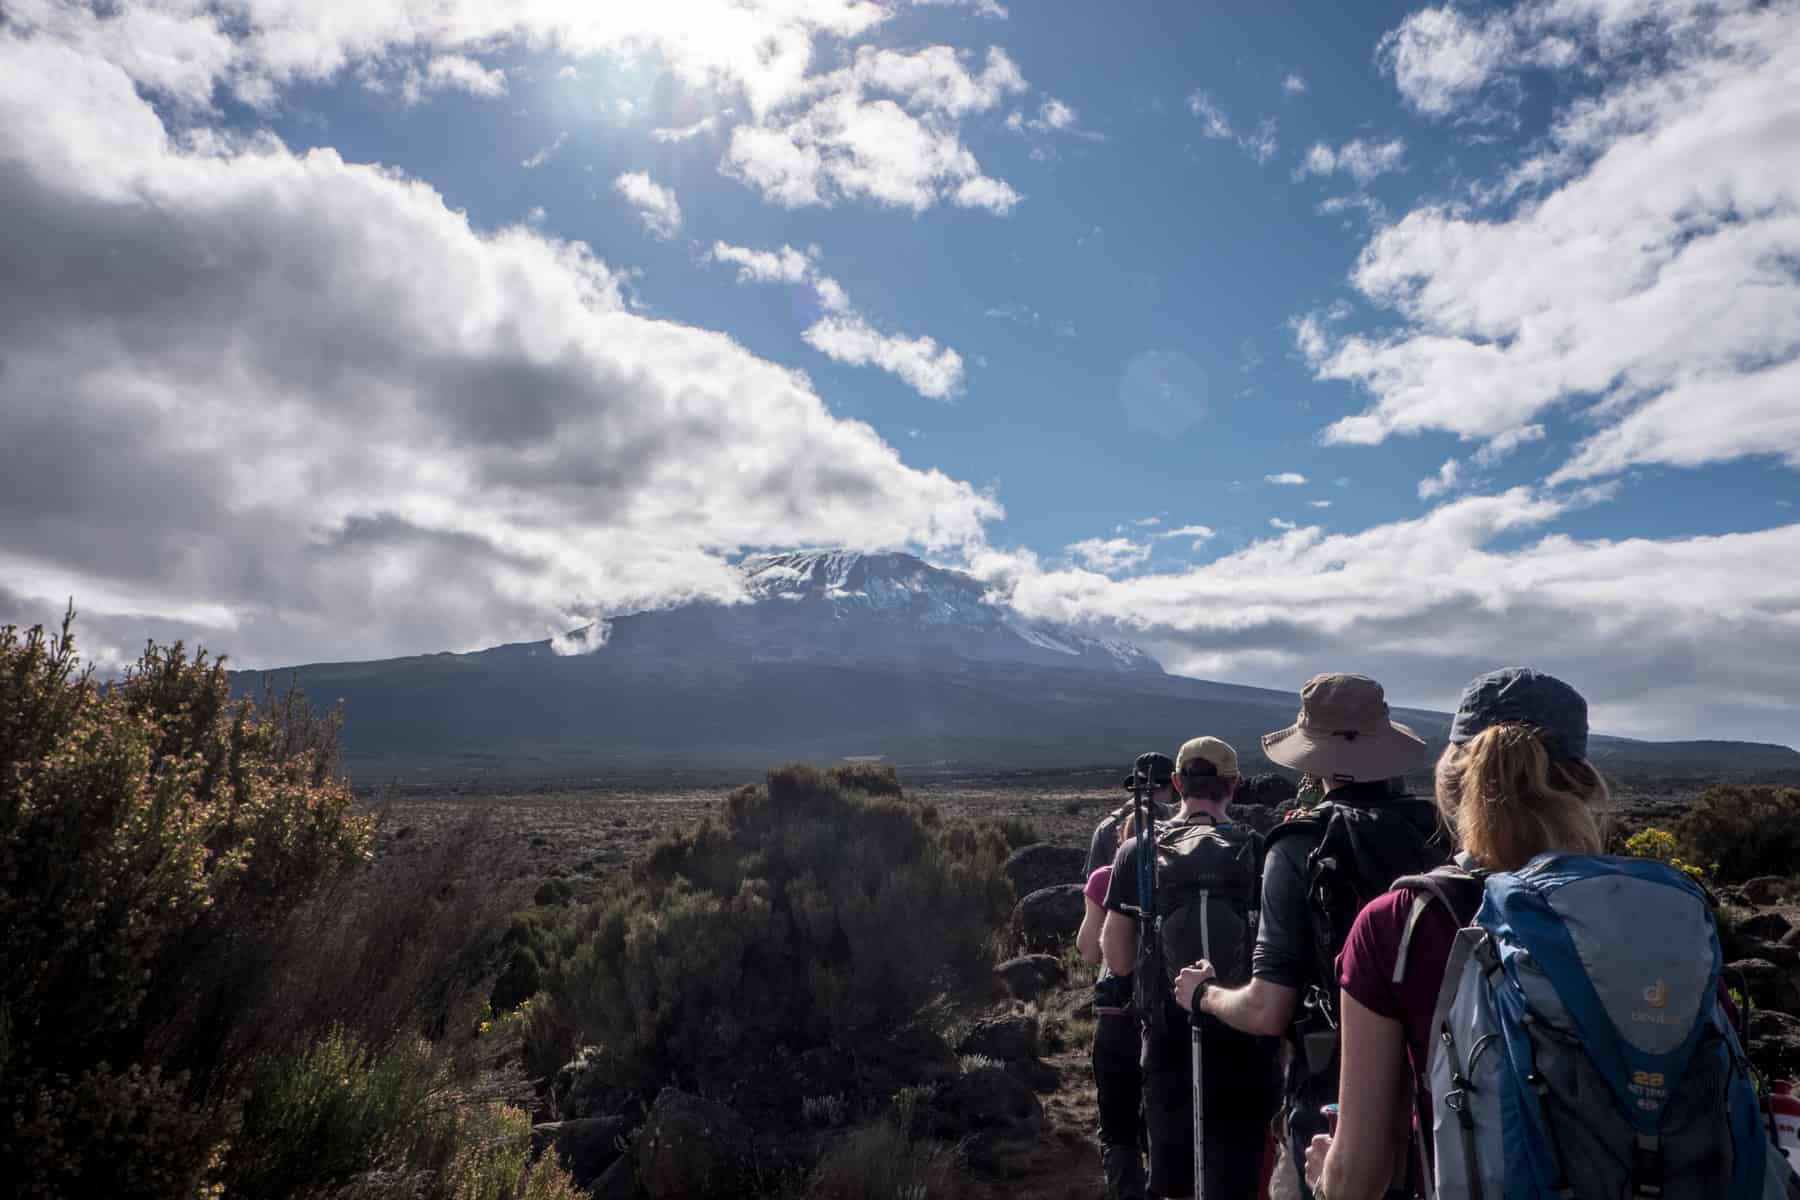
(1011, 1109)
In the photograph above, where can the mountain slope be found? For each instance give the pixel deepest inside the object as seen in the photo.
(835, 654)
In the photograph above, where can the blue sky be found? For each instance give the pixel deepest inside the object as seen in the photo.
(1452, 335)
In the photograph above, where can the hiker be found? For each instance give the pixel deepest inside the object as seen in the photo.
(1206, 881)
(1322, 866)
(1607, 1085)
(1153, 771)
(1118, 1079)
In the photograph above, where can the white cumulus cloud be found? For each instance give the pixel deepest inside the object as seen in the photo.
(841, 332)
(1286, 479)
(655, 204)
(1641, 271)
(348, 423)
(1445, 479)
(1109, 556)
(1676, 637)
(1359, 158)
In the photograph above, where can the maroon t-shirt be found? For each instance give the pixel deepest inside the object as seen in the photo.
(1365, 967)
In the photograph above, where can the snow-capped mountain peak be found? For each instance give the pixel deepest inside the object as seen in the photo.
(900, 598)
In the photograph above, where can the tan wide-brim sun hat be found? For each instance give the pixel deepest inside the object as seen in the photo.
(1344, 734)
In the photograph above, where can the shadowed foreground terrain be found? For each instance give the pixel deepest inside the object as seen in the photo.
(224, 972)
(583, 837)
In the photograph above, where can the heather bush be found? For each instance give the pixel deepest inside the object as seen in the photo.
(329, 1112)
(136, 821)
(120, 1134)
(1742, 832)
(199, 989)
(809, 914)
(881, 1161)
(1018, 832)
(871, 779)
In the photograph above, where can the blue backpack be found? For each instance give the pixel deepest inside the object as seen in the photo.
(1581, 1048)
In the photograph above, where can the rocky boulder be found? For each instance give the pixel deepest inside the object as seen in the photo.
(1774, 1044)
(1035, 1074)
(1030, 975)
(1769, 985)
(1764, 889)
(904, 1057)
(585, 1147)
(1043, 865)
(1046, 920)
(1002, 1039)
(1269, 790)
(1765, 926)
(691, 1146)
(983, 1099)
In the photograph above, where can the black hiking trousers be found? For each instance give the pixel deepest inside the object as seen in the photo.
(1118, 1079)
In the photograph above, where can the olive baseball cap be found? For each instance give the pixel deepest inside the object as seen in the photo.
(1209, 750)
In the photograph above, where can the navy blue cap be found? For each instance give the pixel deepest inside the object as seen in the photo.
(1153, 768)
(1519, 694)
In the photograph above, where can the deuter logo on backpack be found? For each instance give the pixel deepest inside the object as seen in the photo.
(1580, 1054)
(1657, 997)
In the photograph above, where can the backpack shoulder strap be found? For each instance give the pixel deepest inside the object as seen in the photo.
(1309, 821)
(1454, 888)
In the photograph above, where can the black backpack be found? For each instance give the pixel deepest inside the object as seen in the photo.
(1358, 853)
(1208, 887)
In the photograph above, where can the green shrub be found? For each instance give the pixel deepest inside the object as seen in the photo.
(1660, 844)
(809, 914)
(882, 1163)
(329, 1112)
(1018, 832)
(552, 893)
(492, 1143)
(142, 825)
(871, 779)
(125, 1134)
(518, 981)
(1745, 831)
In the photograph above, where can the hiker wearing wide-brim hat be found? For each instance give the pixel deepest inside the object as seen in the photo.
(1322, 866)
(1344, 734)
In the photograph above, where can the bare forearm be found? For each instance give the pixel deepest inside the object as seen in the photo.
(1118, 943)
(1259, 1007)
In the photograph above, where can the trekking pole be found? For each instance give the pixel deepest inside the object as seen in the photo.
(1198, 1063)
(1199, 1108)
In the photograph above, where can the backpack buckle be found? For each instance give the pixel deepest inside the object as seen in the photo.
(1647, 1167)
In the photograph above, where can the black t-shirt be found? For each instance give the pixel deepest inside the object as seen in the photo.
(1284, 935)
(1241, 1061)
(1105, 842)
(1284, 940)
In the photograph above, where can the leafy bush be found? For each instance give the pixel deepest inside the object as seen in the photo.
(809, 914)
(1018, 832)
(127, 1134)
(1660, 844)
(871, 779)
(138, 822)
(177, 887)
(880, 1161)
(1745, 831)
(328, 1112)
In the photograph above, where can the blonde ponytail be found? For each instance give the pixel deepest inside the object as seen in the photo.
(1509, 800)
